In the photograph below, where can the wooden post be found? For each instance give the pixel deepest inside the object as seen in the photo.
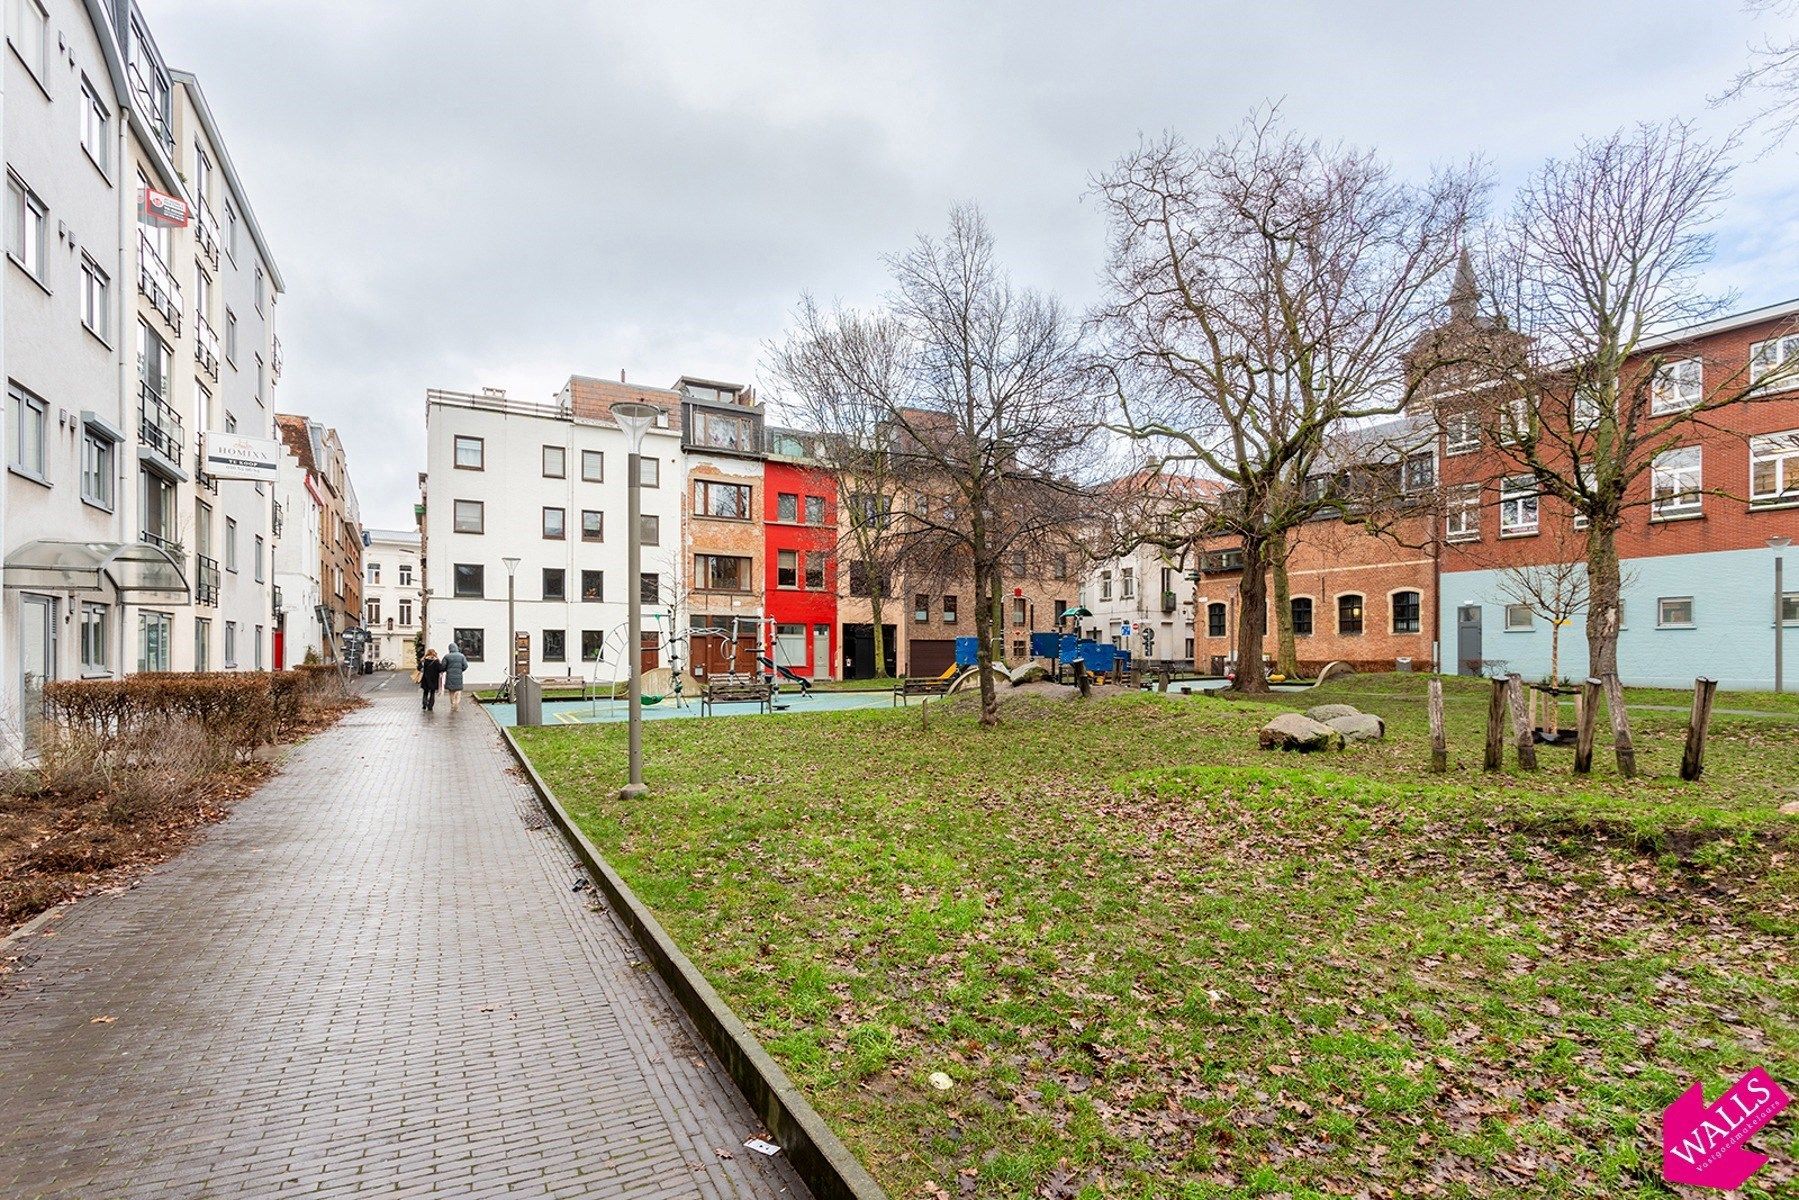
(1521, 728)
(1586, 713)
(1167, 676)
(1439, 746)
(1627, 753)
(1081, 680)
(1692, 763)
(1535, 697)
(1495, 758)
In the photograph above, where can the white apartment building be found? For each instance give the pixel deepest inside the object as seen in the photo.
(1144, 591)
(393, 592)
(545, 486)
(119, 554)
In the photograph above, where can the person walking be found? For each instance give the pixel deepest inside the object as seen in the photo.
(455, 663)
(431, 674)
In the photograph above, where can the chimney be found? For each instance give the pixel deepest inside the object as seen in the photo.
(621, 374)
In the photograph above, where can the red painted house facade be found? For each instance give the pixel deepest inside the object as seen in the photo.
(800, 524)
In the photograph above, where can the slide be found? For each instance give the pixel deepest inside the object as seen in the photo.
(770, 664)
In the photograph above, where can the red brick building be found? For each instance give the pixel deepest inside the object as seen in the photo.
(799, 514)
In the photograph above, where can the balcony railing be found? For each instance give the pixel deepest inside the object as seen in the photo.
(155, 101)
(275, 361)
(159, 425)
(156, 282)
(275, 600)
(206, 580)
(206, 346)
(205, 482)
(163, 541)
(206, 231)
(1170, 602)
(277, 519)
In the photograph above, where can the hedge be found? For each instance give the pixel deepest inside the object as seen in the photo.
(237, 710)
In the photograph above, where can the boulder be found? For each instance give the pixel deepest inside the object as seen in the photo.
(1790, 808)
(1029, 672)
(1292, 731)
(1359, 727)
(1330, 712)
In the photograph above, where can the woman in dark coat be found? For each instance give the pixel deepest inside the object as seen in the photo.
(430, 677)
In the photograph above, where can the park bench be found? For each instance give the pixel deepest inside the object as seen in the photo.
(906, 688)
(734, 687)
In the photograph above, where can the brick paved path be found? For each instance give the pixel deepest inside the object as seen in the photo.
(373, 979)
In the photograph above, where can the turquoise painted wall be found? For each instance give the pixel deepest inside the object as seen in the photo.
(1732, 638)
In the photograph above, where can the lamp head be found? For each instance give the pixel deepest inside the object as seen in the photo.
(635, 419)
(511, 564)
(1779, 543)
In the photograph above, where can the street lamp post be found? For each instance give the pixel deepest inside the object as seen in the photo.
(635, 419)
(1778, 544)
(510, 689)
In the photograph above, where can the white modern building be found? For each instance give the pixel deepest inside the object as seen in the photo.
(1141, 591)
(124, 343)
(534, 496)
(393, 592)
(299, 595)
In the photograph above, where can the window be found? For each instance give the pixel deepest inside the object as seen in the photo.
(98, 455)
(231, 343)
(1776, 357)
(1407, 612)
(593, 466)
(787, 568)
(1105, 585)
(649, 529)
(471, 453)
(1674, 612)
(405, 614)
(1674, 482)
(1774, 468)
(202, 644)
(1127, 583)
(1349, 614)
(1419, 472)
(230, 231)
(28, 29)
(723, 431)
(1020, 610)
(921, 608)
(1215, 619)
(1514, 421)
(373, 610)
(1517, 505)
(871, 510)
(721, 573)
(1789, 608)
(815, 510)
(155, 632)
(554, 523)
(231, 543)
(405, 574)
(863, 579)
(593, 525)
(471, 580)
(649, 472)
(25, 224)
(257, 649)
(1461, 433)
(649, 587)
(1586, 411)
(1301, 609)
(94, 621)
(470, 516)
(593, 586)
(261, 288)
(555, 583)
(1461, 514)
(1677, 386)
(96, 299)
(593, 645)
(374, 573)
(815, 570)
(1518, 618)
(555, 462)
(472, 643)
(730, 501)
(30, 423)
(555, 645)
(949, 610)
(787, 507)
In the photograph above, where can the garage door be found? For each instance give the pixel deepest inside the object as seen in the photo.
(929, 656)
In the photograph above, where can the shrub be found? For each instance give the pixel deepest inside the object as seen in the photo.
(236, 711)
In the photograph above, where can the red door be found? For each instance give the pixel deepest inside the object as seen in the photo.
(280, 648)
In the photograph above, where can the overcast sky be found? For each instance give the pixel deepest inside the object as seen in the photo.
(506, 192)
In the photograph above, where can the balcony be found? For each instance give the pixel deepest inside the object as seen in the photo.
(206, 346)
(206, 581)
(275, 362)
(1170, 602)
(162, 541)
(156, 282)
(277, 519)
(206, 232)
(205, 482)
(154, 99)
(158, 425)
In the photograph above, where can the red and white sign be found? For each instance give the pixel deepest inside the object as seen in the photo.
(161, 209)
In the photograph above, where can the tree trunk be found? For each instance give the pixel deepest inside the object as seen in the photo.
(984, 583)
(1286, 652)
(998, 650)
(1252, 619)
(1555, 652)
(1604, 583)
(875, 610)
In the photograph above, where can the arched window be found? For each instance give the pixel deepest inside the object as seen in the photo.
(1406, 612)
(1302, 616)
(1349, 614)
(1215, 619)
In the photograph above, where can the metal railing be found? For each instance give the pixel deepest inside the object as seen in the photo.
(278, 519)
(206, 346)
(205, 482)
(206, 580)
(160, 540)
(155, 102)
(156, 282)
(275, 600)
(275, 362)
(206, 231)
(159, 425)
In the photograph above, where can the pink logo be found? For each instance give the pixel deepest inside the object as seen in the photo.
(1702, 1144)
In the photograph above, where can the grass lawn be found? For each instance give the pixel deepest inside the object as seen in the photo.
(1157, 961)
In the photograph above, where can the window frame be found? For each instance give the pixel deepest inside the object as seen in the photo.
(1417, 617)
(1661, 612)
(27, 223)
(1522, 491)
(598, 533)
(457, 442)
(462, 574)
(1786, 348)
(1461, 433)
(96, 299)
(1361, 614)
(1311, 615)
(1667, 380)
(706, 488)
(560, 594)
(561, 459)
(599, 458)
(598, 579)
(649, 529)
(102, 466)
(94, 627)
(39, 69)
(704, 576)
(1218, 617)
(787, 569)
(1508, 625)
(456, 513)
(1683, 501)
(459, 637)
(560, 653)
(21, 401)
(1780, 449)
(560, 533)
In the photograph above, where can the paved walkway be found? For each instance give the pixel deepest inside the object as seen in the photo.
(373, 979)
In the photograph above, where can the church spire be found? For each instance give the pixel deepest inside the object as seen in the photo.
(1464, 294)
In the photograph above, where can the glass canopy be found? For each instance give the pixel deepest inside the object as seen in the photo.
(134, 570)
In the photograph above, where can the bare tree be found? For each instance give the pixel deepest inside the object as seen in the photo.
(981, 407)
(1771, 80)
(1264, 292)
(1595, 270)
(1554, 591)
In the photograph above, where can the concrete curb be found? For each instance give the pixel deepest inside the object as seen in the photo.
(821, 1159)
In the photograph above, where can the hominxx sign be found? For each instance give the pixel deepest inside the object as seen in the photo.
(161, 209)
(233, 456)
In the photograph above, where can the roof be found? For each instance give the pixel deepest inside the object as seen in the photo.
(404, 537)
(296, 435)
(1724, 324)
(191, 82)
